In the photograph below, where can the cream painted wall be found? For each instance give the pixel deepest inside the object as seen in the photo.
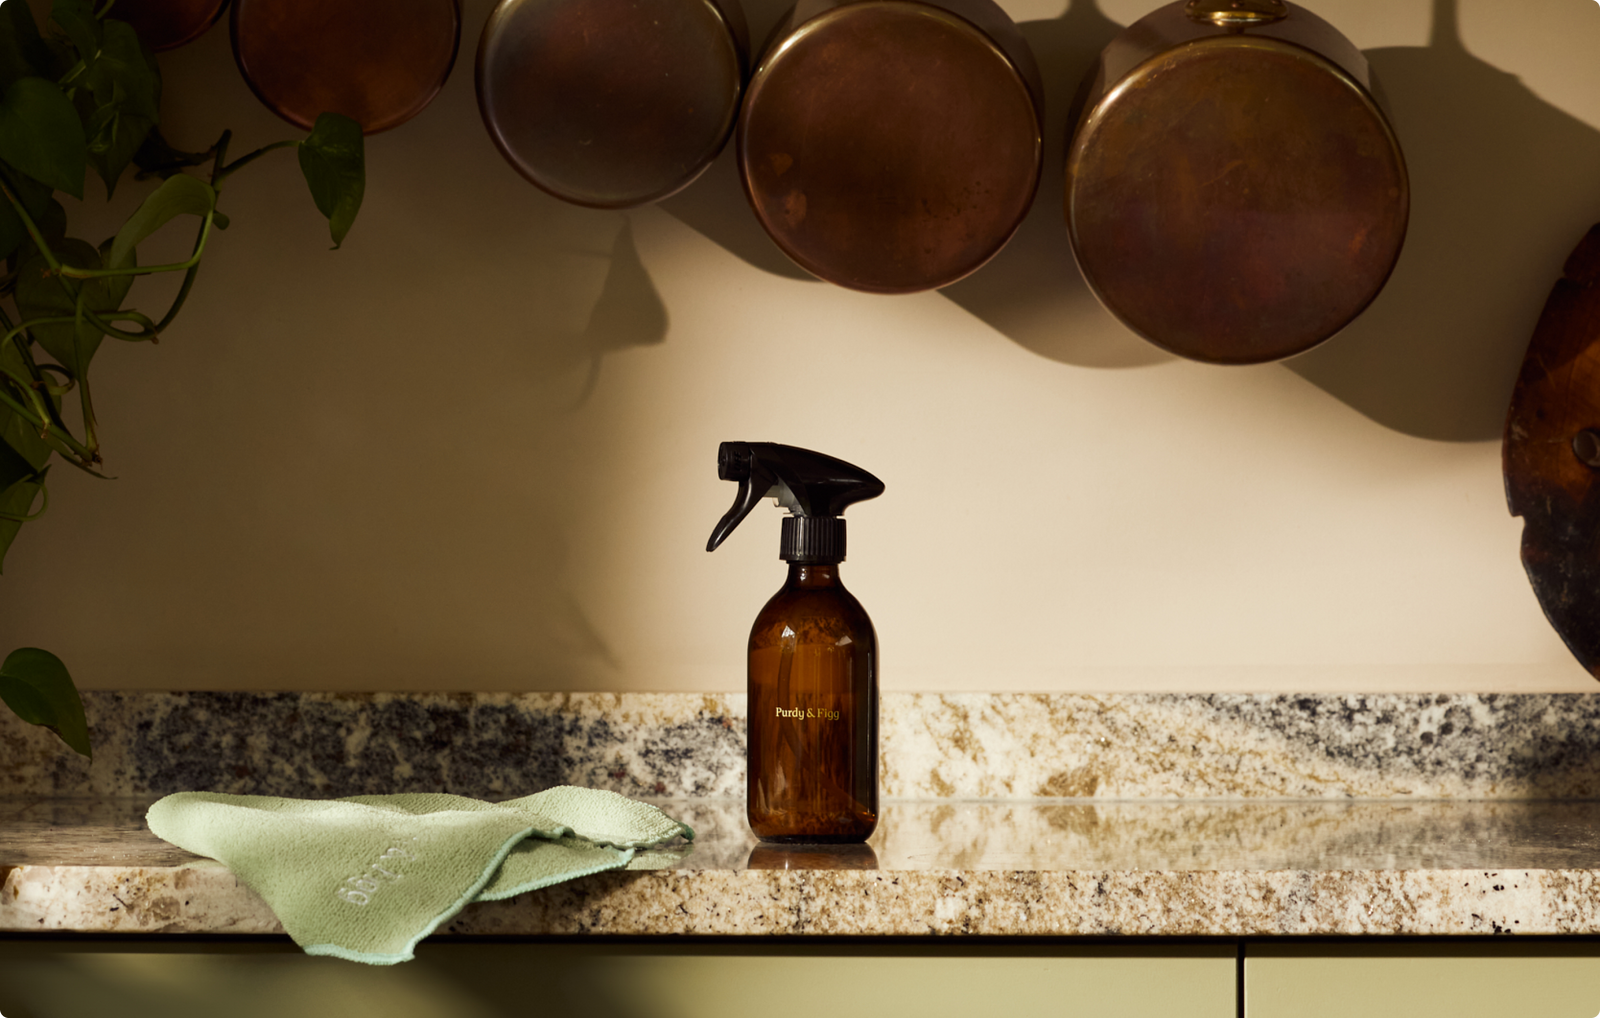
(475, 448)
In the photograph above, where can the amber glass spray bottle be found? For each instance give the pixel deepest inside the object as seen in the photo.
(813, 738)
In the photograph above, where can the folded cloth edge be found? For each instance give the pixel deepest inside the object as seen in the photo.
(623, 855)
(468, 897)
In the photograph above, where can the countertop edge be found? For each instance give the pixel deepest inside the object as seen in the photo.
(205, 898)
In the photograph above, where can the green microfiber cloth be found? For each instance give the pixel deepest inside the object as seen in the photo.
(367, 877)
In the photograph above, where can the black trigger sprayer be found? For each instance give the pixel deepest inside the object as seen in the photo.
(813, 654)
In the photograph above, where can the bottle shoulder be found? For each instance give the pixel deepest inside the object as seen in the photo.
(813, 615)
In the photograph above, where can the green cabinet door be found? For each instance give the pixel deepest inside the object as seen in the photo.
(1499, 978)
(600, 980)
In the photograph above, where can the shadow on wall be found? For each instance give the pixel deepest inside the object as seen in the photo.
(1503, 184)
(392, 426)
(715, 205)
(1032, 292)
(629, 312)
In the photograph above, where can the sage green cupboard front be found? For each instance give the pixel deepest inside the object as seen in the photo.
(1500, 978)
(597, 980)
(1377, 978)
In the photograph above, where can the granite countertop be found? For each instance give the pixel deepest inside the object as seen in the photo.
(964, 868)
(1488, 825)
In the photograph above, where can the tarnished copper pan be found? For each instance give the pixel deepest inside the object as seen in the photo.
(1233, 192)
(168, 24)
(891, 145)
(1552, 455)
(611, 103)
(378, 62)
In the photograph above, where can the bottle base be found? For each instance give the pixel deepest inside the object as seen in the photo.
(813, 839)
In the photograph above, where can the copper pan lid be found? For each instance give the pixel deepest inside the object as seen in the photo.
(889, 145)
(1236, 197)
(611, 103)
(168, 24)
(378, 62)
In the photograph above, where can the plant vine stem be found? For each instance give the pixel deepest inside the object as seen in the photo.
(177, 302)
(91, 439)
(45, 412)
(30, 226)
(43, 490)
(73, 272)
(65, 444)
(147, 335)
(224, 172)
(39, 413)
(219, 153)
(97, 320)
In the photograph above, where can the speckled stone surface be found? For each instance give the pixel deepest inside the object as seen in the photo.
(1152, 868)
(933, 745)
(488, 745)
(1240, 745)
(1036, 815)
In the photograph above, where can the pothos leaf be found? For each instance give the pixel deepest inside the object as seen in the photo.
(37, 201)
(36, 686)
(76, 19)
(333, 161)
(21, 436)
(40, 134)
(23, 53)
(12, 232)
(43, 294)
(17, 433)
(115, 288)
(126, 73)
(178, 195)
(122, 102)
(14, 466)
(16, 503)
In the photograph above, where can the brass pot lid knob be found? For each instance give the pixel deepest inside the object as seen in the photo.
(1236, 13)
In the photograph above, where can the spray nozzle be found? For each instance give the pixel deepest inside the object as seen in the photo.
(810, 485)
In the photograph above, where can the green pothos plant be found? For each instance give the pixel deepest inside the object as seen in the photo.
(81, 94)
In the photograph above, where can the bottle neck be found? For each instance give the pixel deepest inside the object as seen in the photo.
(812, 539)
(812, 575)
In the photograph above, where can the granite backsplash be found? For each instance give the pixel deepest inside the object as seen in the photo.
(933, 746)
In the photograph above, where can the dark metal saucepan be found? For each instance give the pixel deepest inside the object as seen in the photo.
(611, 103)
(892, 145)
(1234, 193)
(168, 24)
(378, 62)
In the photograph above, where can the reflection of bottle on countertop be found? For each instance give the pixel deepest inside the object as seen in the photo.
(768, 856)
(813, 679)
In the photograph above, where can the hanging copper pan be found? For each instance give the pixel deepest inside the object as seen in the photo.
(1233, 192)
(378, 62)
(168, 24)
(1551, 455)
(611, 103)
(892, 145)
